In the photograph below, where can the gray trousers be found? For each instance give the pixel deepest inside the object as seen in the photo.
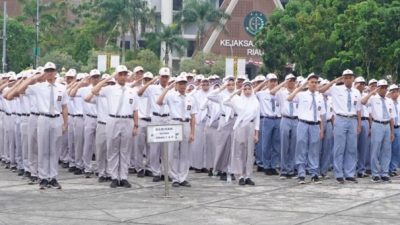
(140, 147)
(71, 144)
(79, 128)
(2, 154)
(49, 143)
(24, 142)
(155, 148)
(101, 150)
(9, 141)
(33, 145)
(64, 148)
(198, 151)
(119, 145)
(243, 151)
(179, 156)
(89, 143)
(223, 145)
(18, 144)
(211, 137)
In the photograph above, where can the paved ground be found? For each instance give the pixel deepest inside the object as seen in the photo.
(209, 201)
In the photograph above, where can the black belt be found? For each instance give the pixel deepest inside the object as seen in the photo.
(93, 116)
(349, 116)
(35, 114)
(328, 121)
(1, 110)
(396, 126)
(146, 119)
(14, 113)
(121, 117)
(291, 117)
(49, 115)
(364, 118)
(160, 115)
(181, 120)
(225, 115)
(270, 117)
(77, 115)
(102, 123)
(8, 114)
(381, 122)
(309, 122)
(25, 114)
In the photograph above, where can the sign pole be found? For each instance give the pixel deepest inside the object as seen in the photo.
(165, 166)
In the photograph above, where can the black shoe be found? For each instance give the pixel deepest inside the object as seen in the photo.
(27, 174)
(53, 183)
(88, 174)
(274, 172)
(148, 173)
(114, 183)
(351, 179)
(163, 177)
(65, 165)
(316, 179)
(386, 179)
(233, 177)
(340, 180)
(78, 171)
(140, 174)
(175, 184)
(375, 179)
(210, 173)
(204, 170)
(132, 171)
(72, 169)
(393, 174)
(248, 181)
(368, 172)
(283, 176)
(21, 172)
(289, 176)
(260, 169)
(302, 180)
(7, 166)
(223, 177)
(242, 181)
(185, 184)
(33, 180)
(125, 184)
(13, 169)
(268, 172)
(362, 175)
(43, 184)
(102, 179)
(108, 179)
(156, 179)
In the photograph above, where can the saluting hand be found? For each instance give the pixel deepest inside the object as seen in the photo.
(191, 138)
(171, 86)
(64, 128)
(134, 131)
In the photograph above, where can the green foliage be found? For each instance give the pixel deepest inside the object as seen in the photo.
(329, 36)
(198, 63)
(147, 59)
(61, 59)
(20, 40)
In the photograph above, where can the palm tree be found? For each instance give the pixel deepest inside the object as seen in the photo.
(171, 36)
(200, 13)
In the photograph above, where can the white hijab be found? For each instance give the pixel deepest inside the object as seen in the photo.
(247, 108)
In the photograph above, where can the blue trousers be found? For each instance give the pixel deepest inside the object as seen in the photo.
(381, 149)
(394, 162)
(307, 149)
(345, 147)
(325, 161)
(288, 133)
(363, 147)
(270, 143)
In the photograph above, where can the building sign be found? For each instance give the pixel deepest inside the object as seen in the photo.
(254, 22)
(251, 49)
(164, 133)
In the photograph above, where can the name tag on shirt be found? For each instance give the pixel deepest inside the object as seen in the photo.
(59, 98)
(130, 101)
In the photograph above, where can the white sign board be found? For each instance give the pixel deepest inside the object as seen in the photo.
(229, 67)
(164, 133)
(241, 66)
(114, 61)
(102, 63)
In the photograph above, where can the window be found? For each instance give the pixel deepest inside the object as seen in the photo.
(191, 48)
(127, 44)
(177, 5)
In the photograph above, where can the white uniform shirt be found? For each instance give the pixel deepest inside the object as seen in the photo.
(88, 108)
(180, 106)
(267, 104)
(200, 99)
(42, 92)
(365, 110)
(375, 103)
(113, 95)
(24, 104)
(281, 96)
(329, 108)
(396, 105)
(143, 105)
(339, 100)
(152, 93)
(305, 109)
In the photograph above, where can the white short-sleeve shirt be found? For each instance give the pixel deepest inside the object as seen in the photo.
(113, 95)
(305, 109)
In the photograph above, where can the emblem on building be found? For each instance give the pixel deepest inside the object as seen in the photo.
(254, 22)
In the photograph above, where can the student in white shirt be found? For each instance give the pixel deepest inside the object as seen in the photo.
(395, 156)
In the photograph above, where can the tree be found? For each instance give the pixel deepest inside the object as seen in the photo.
(20, 40)
(216, 64)
(171, 36)
(61, 59)
(201, 14)
(147, 59)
